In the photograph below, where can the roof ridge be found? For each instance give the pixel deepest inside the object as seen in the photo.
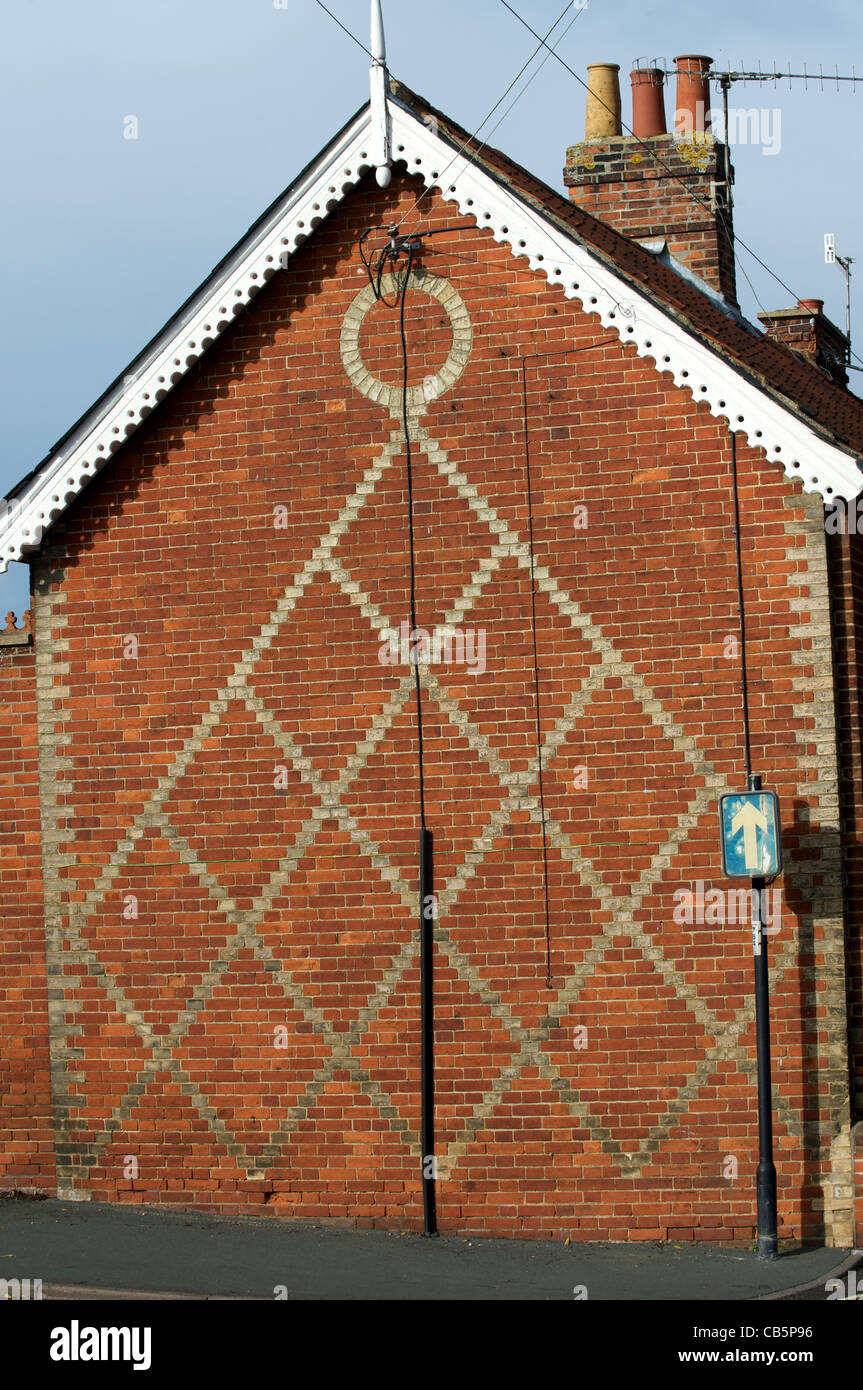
(629, 257)
(802, 422)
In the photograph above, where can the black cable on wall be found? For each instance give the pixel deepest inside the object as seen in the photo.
(741, 609)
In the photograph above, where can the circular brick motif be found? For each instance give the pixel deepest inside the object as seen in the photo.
(436, 383)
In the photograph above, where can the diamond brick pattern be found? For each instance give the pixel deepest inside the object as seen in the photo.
(270, 929)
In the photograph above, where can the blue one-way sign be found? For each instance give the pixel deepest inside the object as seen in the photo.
(751, 834)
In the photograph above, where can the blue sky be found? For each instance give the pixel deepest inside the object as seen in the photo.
(103, 237)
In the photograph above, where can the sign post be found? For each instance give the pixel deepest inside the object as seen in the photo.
(752, 848)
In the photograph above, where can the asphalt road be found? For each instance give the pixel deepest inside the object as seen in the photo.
(123, 1251)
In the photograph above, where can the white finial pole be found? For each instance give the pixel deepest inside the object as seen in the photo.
(380, 119)
(378, 44)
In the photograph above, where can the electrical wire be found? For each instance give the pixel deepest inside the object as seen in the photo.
(521, 206)
(375, 273)
(459, 152)
(427, 1104)
(345, 30)
(657, 159)
(528, 357)
(392, 252)
(534, 75)
(411, 537)
(741, 609)
(735, 241)
(542, 43)
(375, 268)
(375, 262)
(371, 266)
(524, 210)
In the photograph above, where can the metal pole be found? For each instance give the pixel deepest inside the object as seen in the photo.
(725, 83)
(847, 269)
(766, 1178)
(427, 917)
(845, 263)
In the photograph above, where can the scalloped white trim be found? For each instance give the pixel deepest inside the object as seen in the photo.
(66, 473)
(785, 438)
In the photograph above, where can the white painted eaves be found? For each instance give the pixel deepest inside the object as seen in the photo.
(653, 330)
(86, 450)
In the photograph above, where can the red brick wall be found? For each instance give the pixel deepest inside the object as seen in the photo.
(846, 573)
(26, 1140)
(183, 957)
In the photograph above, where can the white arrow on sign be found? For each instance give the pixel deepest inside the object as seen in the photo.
(749, 818)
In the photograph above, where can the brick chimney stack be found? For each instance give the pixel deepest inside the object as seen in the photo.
(653, 186)
(808, 331)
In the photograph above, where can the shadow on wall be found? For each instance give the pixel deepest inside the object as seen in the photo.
(812, 874)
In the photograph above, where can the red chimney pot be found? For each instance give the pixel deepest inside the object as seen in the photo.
(692, 112)
(812, 306)
(648, 106)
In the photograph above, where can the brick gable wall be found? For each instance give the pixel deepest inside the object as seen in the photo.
(228, 773)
